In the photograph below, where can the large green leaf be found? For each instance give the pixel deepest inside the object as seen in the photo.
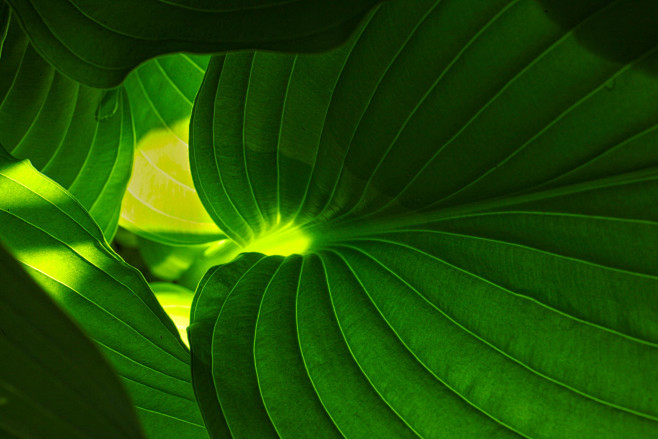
(161, 203)
(98, 42)
(479, 182)
(79, 136)
(394, 336)
(63, 249)
(54, 382)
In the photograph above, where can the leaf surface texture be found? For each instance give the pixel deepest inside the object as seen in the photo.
(55, 382)
(79, 136)
(478, 180)
(99, 42)
(63, 249)
(161, 203)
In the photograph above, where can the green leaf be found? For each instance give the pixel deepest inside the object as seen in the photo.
(205, 308)
(63, 249)
(382, 337)
(162, 91)
(78, 136)
(479, 182)
(161, 203)
(317, 138)
(98, 42)
(59, 384)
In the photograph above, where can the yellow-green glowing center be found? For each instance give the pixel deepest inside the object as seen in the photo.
(176, 301)
(286, 242)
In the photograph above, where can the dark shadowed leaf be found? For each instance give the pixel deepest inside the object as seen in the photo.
(79, 136)
(479, 183)
(63, 249)
(98, 42)
(5, 14)
(55, 383)
(161, 203)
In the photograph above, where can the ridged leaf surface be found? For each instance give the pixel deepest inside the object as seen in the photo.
(479, 183)
(62, 248)
(55, 382)
(161, 203)
(79, 136)
(99, 42)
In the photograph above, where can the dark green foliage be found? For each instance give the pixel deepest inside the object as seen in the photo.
(54, 382)
(98, 42)
(48, 230)
(489, 226)
(442, 215)
(79, 136)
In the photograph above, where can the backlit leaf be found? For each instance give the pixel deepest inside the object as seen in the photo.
(478, 181)
(79, 136)
(63, 249)
(161, 203)
(55, 383)
(169, 262)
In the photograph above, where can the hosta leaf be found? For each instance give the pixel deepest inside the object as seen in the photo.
(161, 203)
(205, 307)
(98, 42)
(479, 184)
(54, 383)
(316, 137)
(162, 91)
(392, 335)
(79, 136)
(63, 249)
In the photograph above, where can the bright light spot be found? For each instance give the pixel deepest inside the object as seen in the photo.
(57, 269)
(181, 321)
(161, 199)
(284, 242)
(17, 198)
(177, 302)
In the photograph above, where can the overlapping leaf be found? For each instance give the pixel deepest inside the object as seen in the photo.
(161, 203)
(99, 42)
(55, 382)
(63, 249)
(479, 180)
(394, 336)
(162, 91)
(79, 136)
